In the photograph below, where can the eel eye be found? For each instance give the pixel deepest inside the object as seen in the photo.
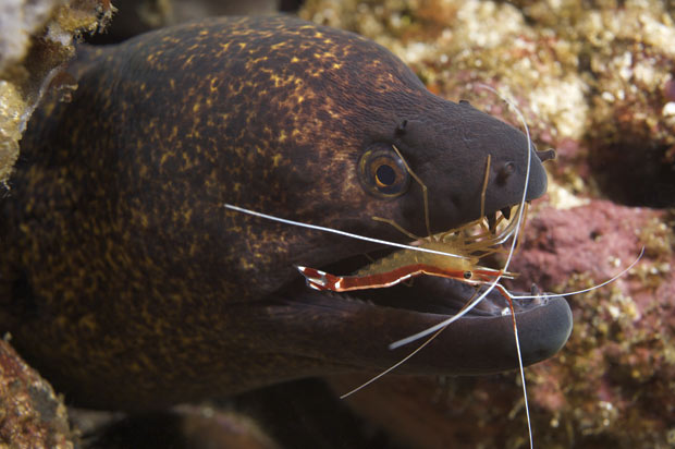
(383, 172)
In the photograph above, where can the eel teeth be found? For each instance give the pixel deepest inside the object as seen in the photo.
(492, 221)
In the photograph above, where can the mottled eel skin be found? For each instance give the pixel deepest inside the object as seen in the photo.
(125, 281)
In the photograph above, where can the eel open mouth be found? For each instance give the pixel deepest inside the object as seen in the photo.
(367, 321)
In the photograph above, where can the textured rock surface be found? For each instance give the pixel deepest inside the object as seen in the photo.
(36, 37)
(135, 17)
(614, 383)
(31, 415)
(186, 427)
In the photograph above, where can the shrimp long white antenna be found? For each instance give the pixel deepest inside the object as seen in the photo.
(392, 367)
(338, 232)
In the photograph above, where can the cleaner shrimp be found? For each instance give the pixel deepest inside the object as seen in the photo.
(453, 254)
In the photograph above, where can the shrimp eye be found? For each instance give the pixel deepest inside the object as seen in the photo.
(467, 275)
(383, 172)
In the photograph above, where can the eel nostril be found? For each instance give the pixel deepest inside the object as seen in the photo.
(504, 173)
(401, 128)
(546, 155)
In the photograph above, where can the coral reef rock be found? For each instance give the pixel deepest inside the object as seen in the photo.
(31, 415)
(36, 38)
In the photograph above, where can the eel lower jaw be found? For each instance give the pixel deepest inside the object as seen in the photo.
(356, 331)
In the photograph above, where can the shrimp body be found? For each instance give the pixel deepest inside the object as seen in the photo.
(455, 256)
(398, 259)
(389, 271)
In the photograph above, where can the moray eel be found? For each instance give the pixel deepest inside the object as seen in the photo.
(129, 285)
